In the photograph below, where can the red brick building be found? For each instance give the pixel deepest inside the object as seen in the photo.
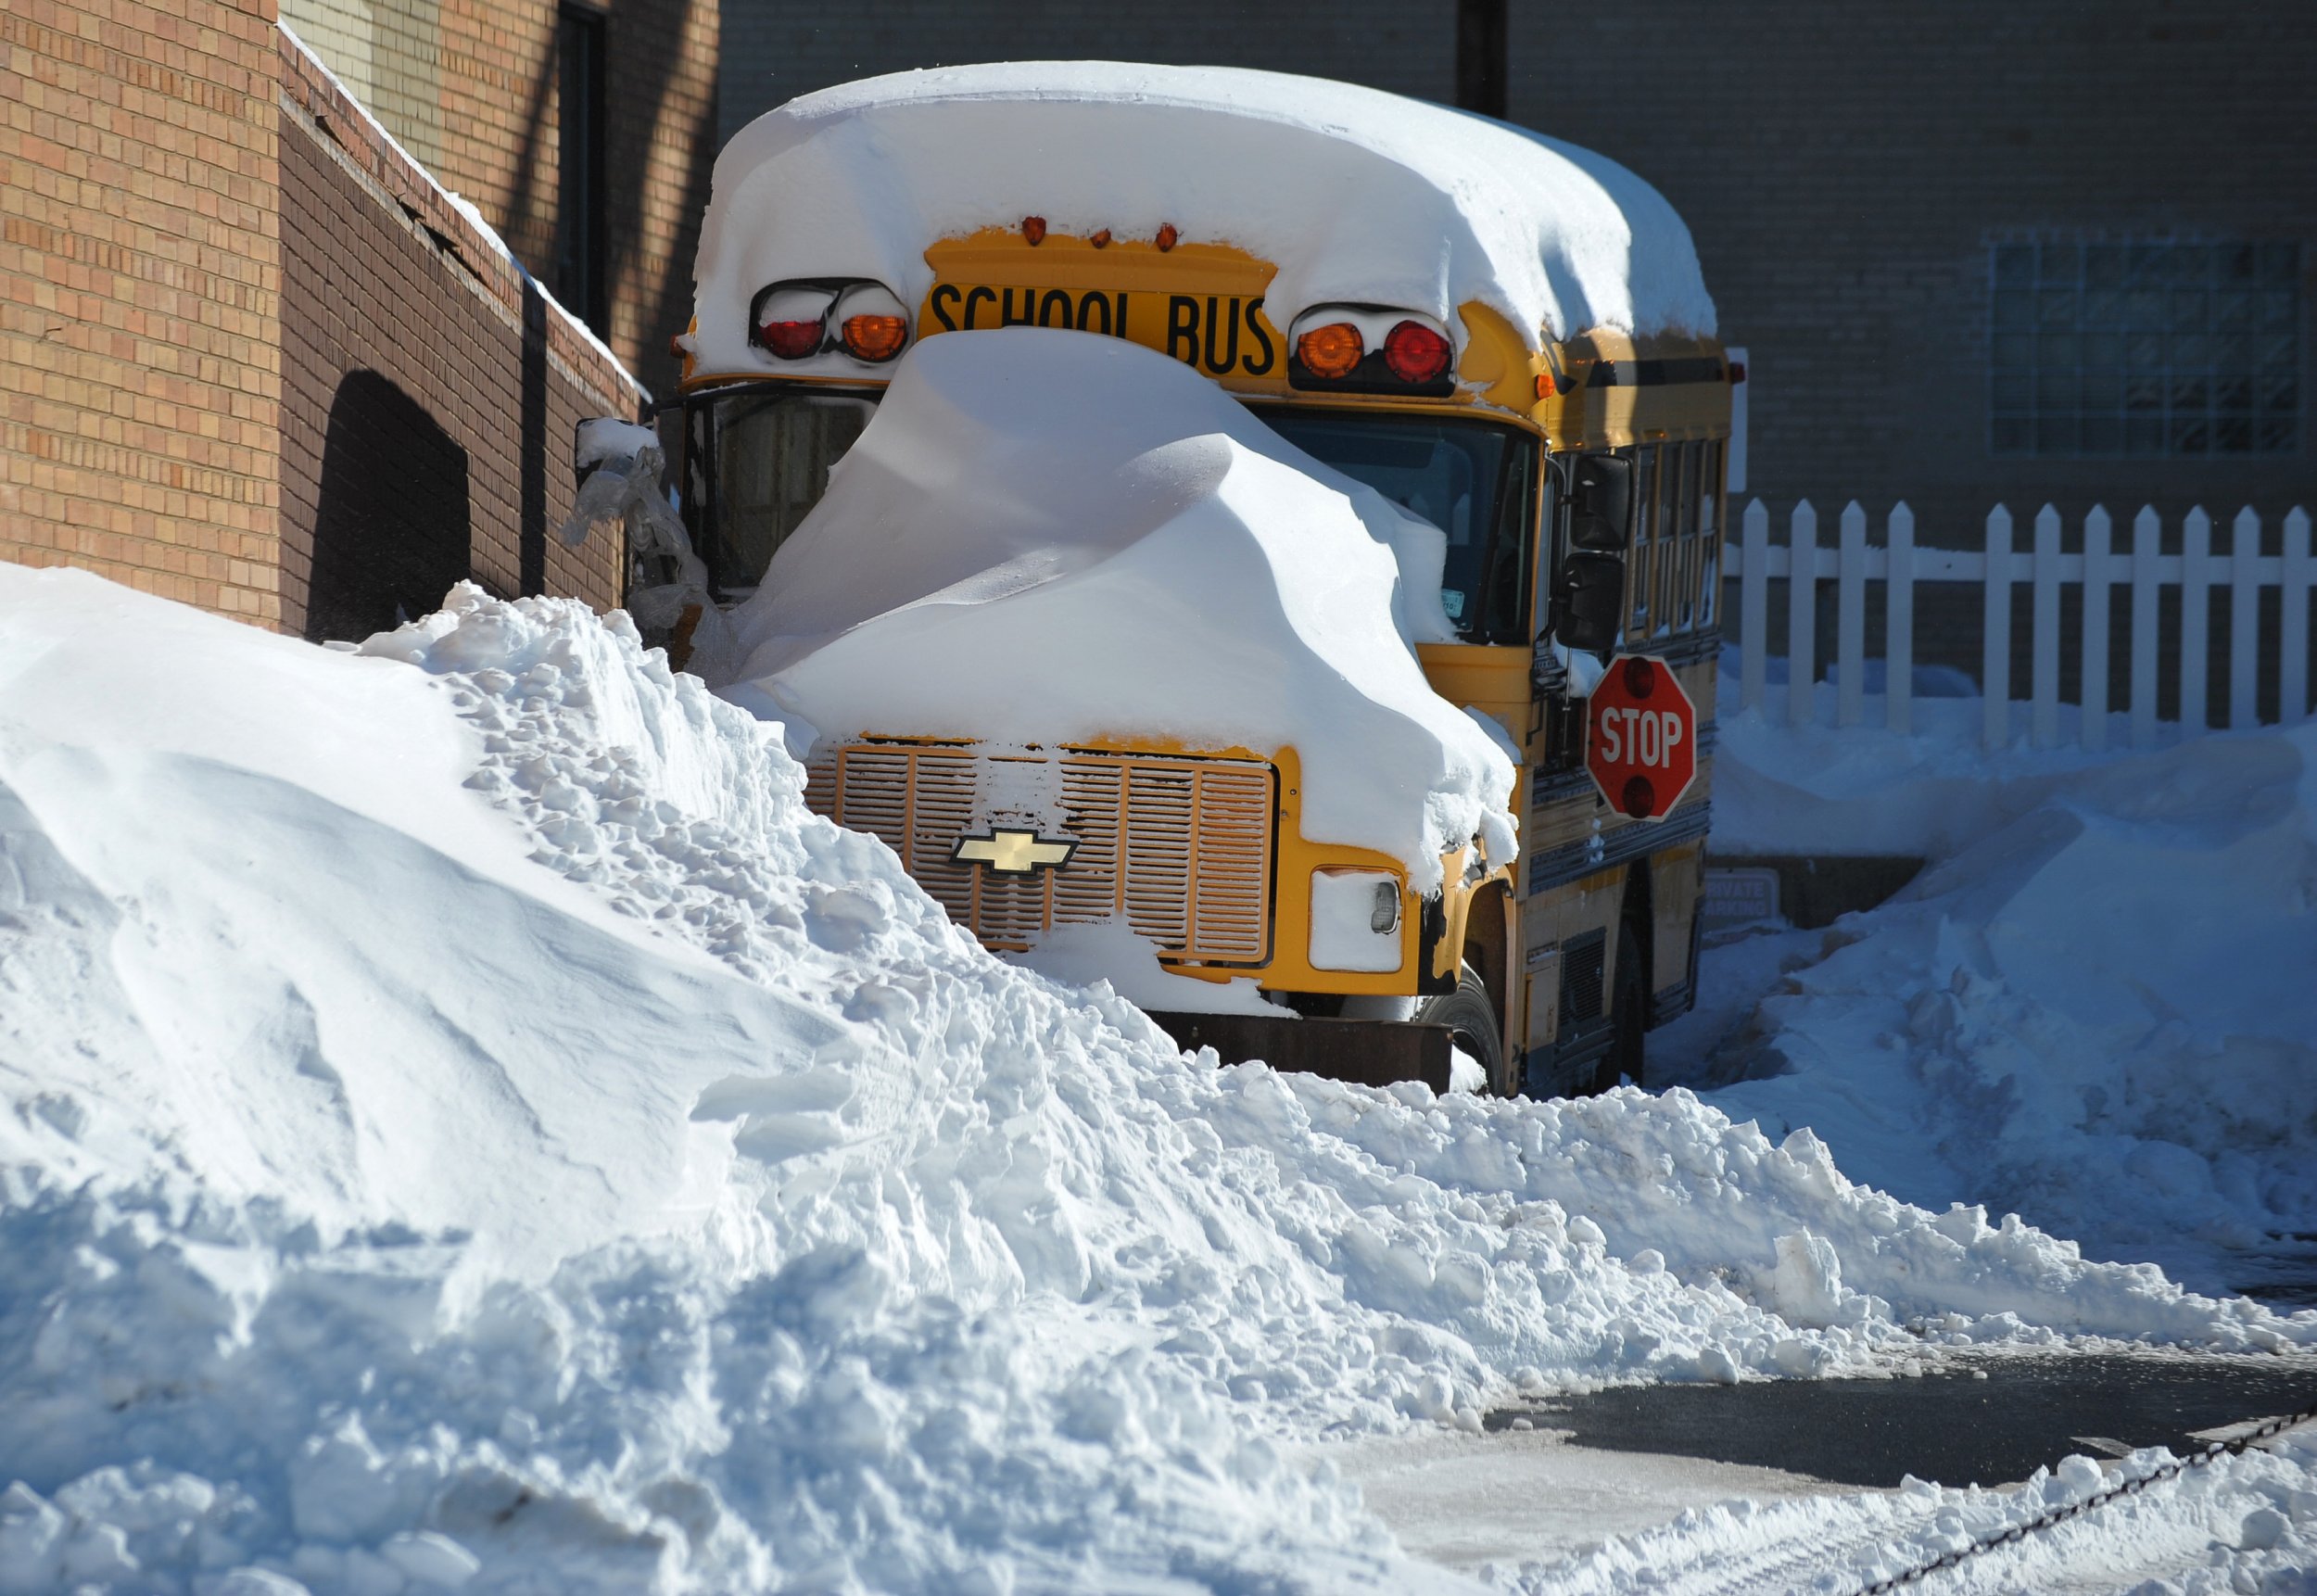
(255, 356)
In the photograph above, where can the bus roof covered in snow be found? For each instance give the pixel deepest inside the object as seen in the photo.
(1351, 196)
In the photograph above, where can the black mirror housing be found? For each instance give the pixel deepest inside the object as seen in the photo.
(1589, 607)
(1600, 503)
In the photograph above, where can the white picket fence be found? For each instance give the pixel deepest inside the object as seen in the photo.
(1852, 563)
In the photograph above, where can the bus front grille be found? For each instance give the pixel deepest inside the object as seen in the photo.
(1180, 850)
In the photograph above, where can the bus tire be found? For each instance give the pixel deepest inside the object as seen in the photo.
(1628, 1015)
(1471, 1015)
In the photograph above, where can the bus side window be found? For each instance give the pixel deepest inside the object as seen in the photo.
(1682, 612)
(1714, 455)
(1640, 618)
(1666, 516)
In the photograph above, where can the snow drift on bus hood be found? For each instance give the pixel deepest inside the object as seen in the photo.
(1047, 536)
(1354, 195)
(465, 1124)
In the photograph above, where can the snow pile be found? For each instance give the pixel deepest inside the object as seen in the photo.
(468, 1126)
(1049, 538)
(2237, 1524)
(1451, 208)
(2093, 1008)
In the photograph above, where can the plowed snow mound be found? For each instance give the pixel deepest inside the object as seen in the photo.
(470, 1125)
(2095, 1005)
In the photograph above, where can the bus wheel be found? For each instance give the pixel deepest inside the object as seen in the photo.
(1628, 1015)
(1470, 1018)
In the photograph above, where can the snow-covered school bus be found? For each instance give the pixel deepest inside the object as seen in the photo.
(1504, 336)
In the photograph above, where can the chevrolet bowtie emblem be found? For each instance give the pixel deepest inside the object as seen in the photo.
(1013, 853)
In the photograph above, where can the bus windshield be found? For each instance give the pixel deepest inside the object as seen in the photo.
(1474, 481)
(758, 462)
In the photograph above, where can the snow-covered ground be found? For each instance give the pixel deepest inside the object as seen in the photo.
(2095, 1007)
(467, 1126)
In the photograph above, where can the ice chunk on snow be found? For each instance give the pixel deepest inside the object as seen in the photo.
(1806, 1285)
(1048, 536)
(858, 180)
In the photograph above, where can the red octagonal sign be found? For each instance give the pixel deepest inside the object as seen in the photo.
(1641, 738)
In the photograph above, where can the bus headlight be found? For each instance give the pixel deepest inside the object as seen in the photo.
(1356, 921)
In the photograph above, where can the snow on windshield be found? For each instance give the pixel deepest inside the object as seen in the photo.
(856, 181)
(1050, 537)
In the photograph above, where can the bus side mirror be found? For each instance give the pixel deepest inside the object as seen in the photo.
(1600, 503)
(1589, 591)
(1589, 606)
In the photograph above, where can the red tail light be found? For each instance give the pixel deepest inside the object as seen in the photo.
(1415, 353)
(792, 340)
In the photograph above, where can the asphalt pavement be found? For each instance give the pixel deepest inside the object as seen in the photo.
(1989, 1422)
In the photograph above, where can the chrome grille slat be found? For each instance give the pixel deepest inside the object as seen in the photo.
(1178, 848)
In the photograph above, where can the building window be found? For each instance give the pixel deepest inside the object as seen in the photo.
(579, 230)
(2139, 348)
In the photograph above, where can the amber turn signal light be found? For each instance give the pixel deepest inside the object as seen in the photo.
(1333, 350)
(874, 338)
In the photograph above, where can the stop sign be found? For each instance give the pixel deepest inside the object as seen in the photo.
(1641, 738)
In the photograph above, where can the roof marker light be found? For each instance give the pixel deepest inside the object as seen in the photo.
(1167, 235)
(1101, 240)
(1033, 229)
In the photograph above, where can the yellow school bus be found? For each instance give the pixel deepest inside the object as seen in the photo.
(1579, 480)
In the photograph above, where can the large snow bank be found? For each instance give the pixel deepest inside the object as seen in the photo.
(1046, 536)
(2237, 1524)
(466, 1124)
(2095, 1007)
(1355, 194)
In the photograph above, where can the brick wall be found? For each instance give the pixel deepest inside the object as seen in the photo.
(389, 56)
(429, 395)
(1845, 172)
(470, 88)
(663, 144)
(773, 54)
(139, 281)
